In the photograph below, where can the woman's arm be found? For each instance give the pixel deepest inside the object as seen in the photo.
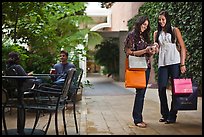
(155, 34)
(128, 45)
(183, 49)
(129, 41)
(155, 43)
(141, 52)
(20, 70)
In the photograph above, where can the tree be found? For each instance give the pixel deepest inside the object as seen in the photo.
(107, 55)
(46, 27)
(107, 5)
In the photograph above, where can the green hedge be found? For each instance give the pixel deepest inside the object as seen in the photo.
(187, 16)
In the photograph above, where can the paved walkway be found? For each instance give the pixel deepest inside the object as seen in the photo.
(106, 108)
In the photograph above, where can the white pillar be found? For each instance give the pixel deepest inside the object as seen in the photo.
(82, 60)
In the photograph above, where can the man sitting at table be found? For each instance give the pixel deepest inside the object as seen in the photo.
(62, 68)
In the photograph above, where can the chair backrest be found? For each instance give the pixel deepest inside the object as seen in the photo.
(11, 71)
(78, 77)
(68, 81)
(76, 82)
(4, 96)
(11, 84)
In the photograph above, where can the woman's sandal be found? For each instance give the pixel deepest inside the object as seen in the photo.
(142, 125)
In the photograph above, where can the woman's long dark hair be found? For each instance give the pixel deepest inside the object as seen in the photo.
(137, 29)
(168, 28)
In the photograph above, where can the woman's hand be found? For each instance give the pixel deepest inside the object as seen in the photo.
(156, 44)
(150, 50)
(183, 69)
(156, 47)
(129, 52)
(30, 73)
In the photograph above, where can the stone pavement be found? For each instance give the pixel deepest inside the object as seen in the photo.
(106, 109)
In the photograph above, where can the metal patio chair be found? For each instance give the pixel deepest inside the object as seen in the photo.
(72, 93)
(51, 100)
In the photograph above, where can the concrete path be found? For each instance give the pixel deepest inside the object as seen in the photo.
(106, 109)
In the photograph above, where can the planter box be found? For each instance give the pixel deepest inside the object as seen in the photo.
(79, 94)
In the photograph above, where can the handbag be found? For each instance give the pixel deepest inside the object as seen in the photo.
(182, 86)
(186, 102)
(134, 78)
(137, 63)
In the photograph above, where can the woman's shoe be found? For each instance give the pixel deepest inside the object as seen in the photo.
(162, 120)
(144, 123)
(141, 125)
(170, 121)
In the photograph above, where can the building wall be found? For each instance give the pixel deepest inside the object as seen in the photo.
(121, 13)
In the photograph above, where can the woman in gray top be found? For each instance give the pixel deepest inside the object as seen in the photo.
(13, 66)
(171, 62)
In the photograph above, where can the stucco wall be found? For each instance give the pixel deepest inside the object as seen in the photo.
(122, 12)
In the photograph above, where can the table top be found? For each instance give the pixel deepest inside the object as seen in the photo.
(34, 76)
(20, 77)
(46, 74)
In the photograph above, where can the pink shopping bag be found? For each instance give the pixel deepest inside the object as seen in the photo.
(182, 86)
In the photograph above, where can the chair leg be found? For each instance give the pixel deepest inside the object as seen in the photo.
(75, 119)
(48, 124)
(4, 121)
(64, 121)
(36, 121)
(56, 123)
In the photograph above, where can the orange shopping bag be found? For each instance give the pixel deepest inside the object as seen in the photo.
(134, 78)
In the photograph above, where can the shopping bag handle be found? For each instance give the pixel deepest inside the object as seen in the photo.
(184, 75)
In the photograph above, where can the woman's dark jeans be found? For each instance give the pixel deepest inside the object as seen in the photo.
(164, 73)
(139, 101)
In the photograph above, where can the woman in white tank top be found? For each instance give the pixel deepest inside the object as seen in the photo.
(171, 62)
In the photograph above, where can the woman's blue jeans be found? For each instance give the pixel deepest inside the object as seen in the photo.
(139, 101)
(164, 73)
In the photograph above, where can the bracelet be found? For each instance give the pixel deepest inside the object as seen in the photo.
(182, 65)
(132, 53)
